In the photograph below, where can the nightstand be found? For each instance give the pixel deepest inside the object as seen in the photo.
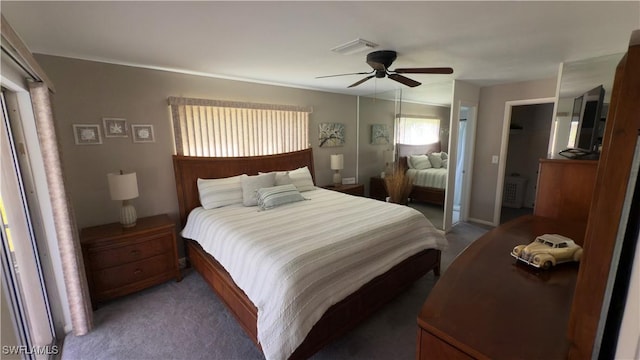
(120, 261)
(351, 189)
(377, 189)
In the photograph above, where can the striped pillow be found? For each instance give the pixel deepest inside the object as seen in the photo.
(215, 193)
(269, 198)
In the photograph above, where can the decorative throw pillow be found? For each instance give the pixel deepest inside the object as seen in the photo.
(271, 197)
(444, 155)
(419, 162)
(251, 184)
(445, 163)
(215, 193)
(436, 160)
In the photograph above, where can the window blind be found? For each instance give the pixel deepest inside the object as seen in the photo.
(228, 129)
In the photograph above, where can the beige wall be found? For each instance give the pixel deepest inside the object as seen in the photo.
(488, 139)
(87, 91)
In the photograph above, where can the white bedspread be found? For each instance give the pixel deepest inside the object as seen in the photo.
(297, 260)
(435, 178)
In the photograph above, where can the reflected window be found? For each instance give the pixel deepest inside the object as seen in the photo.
(418, 130)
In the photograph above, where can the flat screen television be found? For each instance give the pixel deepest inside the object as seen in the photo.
(587, 110)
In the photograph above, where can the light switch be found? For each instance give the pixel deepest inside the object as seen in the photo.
(494, 159)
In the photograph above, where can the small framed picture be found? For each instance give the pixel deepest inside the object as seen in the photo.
(142, 133)
(87, 134)
(331, 134)
(114, 127)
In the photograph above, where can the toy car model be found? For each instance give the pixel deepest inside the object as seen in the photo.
(548, 250)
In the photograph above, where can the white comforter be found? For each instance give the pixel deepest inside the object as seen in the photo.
(435, 178)
(296, 260)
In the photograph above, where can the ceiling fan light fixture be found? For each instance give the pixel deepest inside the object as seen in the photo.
(354, 47)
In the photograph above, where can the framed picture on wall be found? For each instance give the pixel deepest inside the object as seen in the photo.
(331, 134)
(142, 133)
(379, 134)
(115, 127)
(87, 134)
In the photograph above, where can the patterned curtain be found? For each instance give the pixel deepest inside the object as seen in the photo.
(65, 224)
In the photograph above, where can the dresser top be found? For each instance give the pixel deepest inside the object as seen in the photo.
(490, 305)
(115, 230)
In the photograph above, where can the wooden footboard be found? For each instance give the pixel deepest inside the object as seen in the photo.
(340, 318)
(428, 195)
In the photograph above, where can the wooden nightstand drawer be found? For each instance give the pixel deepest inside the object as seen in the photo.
(104, 257)
(132, 273)
(120, 261)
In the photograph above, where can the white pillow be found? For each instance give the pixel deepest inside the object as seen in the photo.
(419, 162)
(215, 193)
(282, 178)
(444, 155)
(302, 179)
(445, 163)
(250, 184)
(436, 160)
(274, 196)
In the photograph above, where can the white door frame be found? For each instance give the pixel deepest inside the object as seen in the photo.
(470, 147)
(454, 126)
(504, 146)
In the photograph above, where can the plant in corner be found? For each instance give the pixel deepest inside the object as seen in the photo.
(398, 186)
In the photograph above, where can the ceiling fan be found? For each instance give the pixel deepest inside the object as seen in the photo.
(380, 62)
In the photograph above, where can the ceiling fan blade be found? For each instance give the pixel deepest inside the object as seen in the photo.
(361, 81)
(429, 70)
(358, 73)
(404, 80)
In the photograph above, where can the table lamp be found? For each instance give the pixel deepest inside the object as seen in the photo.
(124, 187)
(337, 164)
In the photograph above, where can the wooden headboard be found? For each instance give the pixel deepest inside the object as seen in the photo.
(188, 169)
(406, 150)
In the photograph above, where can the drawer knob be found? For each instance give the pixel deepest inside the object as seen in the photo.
(137, 272)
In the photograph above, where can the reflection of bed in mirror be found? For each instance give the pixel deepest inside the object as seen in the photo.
(430, 181)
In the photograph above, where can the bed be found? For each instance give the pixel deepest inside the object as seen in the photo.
(340, 317)
(429, 184)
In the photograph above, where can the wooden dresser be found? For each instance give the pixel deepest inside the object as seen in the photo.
(120, 261)
(487, 305)
(565, 189)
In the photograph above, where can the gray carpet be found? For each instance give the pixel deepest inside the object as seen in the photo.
(185, 320)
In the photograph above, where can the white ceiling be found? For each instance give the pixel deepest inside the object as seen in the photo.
(289, 43)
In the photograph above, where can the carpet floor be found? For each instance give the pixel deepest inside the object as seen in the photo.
(186, 320)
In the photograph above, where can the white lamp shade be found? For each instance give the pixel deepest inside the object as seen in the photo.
(389, 156)
(337, 162)
(123, 186)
